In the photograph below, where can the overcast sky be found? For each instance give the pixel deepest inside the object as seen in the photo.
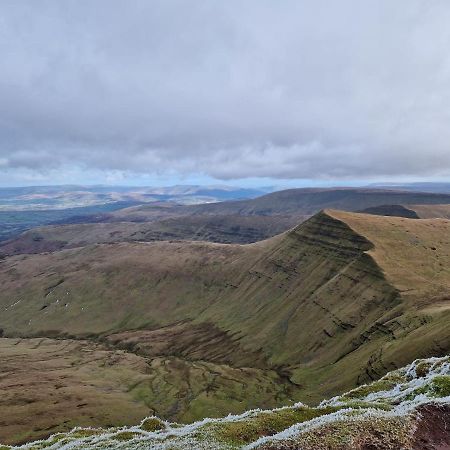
(232, 91)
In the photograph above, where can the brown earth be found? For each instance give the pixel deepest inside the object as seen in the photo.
(433, 428)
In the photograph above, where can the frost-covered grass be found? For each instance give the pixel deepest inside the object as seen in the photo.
(383, 411)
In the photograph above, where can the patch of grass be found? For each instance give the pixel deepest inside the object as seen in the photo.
(355, 404)
(416, 392)
(85, 432)
(441, 386)
(152, 424)
(422, 369)
(267, 424)
(57, 438)
(376, 386)
(374, 433)
(125, 436)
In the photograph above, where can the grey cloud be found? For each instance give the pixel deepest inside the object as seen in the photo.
(291, 89)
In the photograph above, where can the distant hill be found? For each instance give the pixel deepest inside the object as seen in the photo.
(35, 198)
(238, 222)
(411, 211)
(431, 211)
(292, 202)
(392, 210)
(22, 208)
(442, 188)
(16, 221)
(213, 228)
(332, 303)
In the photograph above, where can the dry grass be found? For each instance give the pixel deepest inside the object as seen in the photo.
(49, 386)
(414, 254)
(431, 211)
(339, 300)
(53, 385)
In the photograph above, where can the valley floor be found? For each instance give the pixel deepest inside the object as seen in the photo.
(53, 385)
(407, 409)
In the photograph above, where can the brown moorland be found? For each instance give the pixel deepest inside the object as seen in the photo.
(334, 302)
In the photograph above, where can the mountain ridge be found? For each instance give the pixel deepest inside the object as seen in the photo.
(334, 302)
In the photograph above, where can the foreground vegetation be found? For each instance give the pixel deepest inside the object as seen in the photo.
(386, 414)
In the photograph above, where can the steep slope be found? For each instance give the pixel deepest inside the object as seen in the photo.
(408, 409)
(317, 271)
(216, 228)
(315, 296)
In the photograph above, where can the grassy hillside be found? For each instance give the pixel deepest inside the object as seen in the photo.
(51, 385)
(431, 211)
(414, 254)
(336, 301)
(408, 409)
(223, 229)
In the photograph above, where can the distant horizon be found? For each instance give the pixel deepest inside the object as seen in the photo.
(236, 185)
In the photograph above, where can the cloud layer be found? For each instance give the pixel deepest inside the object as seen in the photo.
(291, 89)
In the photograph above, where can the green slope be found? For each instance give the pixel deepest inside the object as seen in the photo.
(317, 304)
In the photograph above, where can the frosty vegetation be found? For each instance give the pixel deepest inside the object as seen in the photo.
(385, 410)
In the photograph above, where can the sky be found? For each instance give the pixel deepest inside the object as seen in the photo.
(253, 92)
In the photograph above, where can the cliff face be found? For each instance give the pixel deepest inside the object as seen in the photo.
(311, 295)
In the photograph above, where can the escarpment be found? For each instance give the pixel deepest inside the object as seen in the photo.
(321, 305)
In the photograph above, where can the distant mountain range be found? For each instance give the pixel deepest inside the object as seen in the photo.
(442, 187)
(23, 208)
(60, 197)
(234, 221)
